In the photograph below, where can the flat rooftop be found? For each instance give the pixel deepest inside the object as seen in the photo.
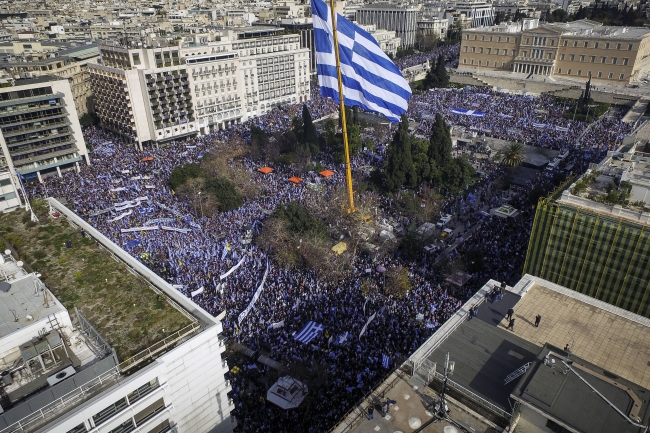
(612, 338)
(121, 306)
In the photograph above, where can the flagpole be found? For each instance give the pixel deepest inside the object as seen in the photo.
(348, 167)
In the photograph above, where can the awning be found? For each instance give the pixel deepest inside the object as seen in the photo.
(295, 179)
(326, 173)
(265, 170)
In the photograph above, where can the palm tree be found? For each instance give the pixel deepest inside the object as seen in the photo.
(512, 156)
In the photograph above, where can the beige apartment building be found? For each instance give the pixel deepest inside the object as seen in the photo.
(570, 50)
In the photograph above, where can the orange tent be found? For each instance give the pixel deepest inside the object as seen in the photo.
(148, 158)
(295, 179)
(326, 173)
(265, 170)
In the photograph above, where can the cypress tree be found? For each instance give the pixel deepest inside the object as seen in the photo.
(441, 72)
(309, 137)
(439, 151)
(400, 170)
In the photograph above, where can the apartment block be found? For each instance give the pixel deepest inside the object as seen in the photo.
(153, 94)
(401, 20)
(40, 132)
(572, 50)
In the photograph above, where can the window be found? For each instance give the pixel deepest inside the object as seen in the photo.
(489, 51)
(109, 411)
(483, 37)
(614, 60)
(625, 61)
(465, 48)
(579, 71)
(621, 76)
(496, 51)
(568, 72)
(474, 37)
(528, 40)
(586, 44)
(81, 428)
(473, 49)
(618, 46)
(561, 56)
(142, 391)
(480, 62)
(595, 44)
(572, 57)
(480, 50)
(565, 43)
(629, 47)
(593, 59)
(499, 39)
(607, 46)
(600, 74)
(465, 61)
(466, 37)
(575, 43)
(552, 42)
(150, 411)
(472, 61)
(507, 38)
(603, 59)
(490, 38)
(548, 56)
(611, 75)
(125, 427)
(582, 58)
(559, 70)
(589, 74)
(136, 59)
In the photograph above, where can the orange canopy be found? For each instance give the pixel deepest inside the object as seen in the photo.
(265, 170)
(295, 179)
(148, 158)
(326, 173)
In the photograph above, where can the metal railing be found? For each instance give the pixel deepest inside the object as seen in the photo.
(61, 404)
(472, 396)
(94, 339)
(159, 346)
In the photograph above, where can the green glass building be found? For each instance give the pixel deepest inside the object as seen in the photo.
(600, 251)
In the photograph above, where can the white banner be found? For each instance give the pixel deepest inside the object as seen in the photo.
(136, 177)
(149, 187)
(139, 229)
(370, 319)
(233, 269)
(125, 214)
(126, 206)
(126, 171)
(244, 313)
(159, 221)
(142, 199)
(117, 189)
(174, 229)
(277, 325)
(197, 292)
(178, 214)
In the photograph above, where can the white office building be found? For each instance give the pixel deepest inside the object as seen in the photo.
(175, 89)
(58, 377)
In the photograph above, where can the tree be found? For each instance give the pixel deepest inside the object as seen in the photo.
(512, 155)
(441, 72)
(439, 152)
(225, 193)
(310, 136)
(329, 132)
(182, 173)
(258, 136)
(298, 128)
(400, 170)
(431, 79)
(456, 175)
(420, 151)
(397, 281)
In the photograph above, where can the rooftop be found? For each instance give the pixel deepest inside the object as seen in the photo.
(128, 314)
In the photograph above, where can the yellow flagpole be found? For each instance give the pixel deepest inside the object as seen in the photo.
(348, 167)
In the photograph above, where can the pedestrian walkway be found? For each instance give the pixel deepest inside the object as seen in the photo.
(637, 111)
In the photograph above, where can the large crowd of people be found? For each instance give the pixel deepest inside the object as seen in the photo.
(123, 196)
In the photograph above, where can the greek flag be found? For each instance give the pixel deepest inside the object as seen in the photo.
(370, 80)
(309, 332)
(341, 339)
(385, 360)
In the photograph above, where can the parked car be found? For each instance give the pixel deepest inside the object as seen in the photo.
(430, 249)
(443, 221)
(446, 232)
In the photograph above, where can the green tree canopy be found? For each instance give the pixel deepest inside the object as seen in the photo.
(259, 137)
(400, 170)
(184, 172)
(310, 136)
(225, 192)
(439, 151)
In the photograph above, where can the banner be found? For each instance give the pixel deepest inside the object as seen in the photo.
(175, 229)
(370, 319)
(277, 325)
(117, 189)
(149, 187)
(125, 214)
(468, 112)
(244, 313)
(178, 214)
(539, 125)
(126, 206)
(197, 292)
(139, 229)
(560, 128)
(159, 221)
(233, 269)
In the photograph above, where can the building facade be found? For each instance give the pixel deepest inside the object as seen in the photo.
(580, 49)
(401, 20)
(40, 132)
(152, 95)
(480, 13)
(600, 249)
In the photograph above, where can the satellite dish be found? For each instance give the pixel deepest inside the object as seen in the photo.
(7, 252)
(19, 263)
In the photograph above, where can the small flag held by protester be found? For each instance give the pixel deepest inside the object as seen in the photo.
(385, 360)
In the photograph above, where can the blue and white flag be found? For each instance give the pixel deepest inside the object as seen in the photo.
(341, 339)
(370, 319)
(385, 360)
(309, 332)
(370, 79)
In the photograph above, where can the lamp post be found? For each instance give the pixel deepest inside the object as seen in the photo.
(441, 405)
(200, 203)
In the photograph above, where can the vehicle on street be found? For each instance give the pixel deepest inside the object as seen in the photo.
(446, 232)
(443, 221)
